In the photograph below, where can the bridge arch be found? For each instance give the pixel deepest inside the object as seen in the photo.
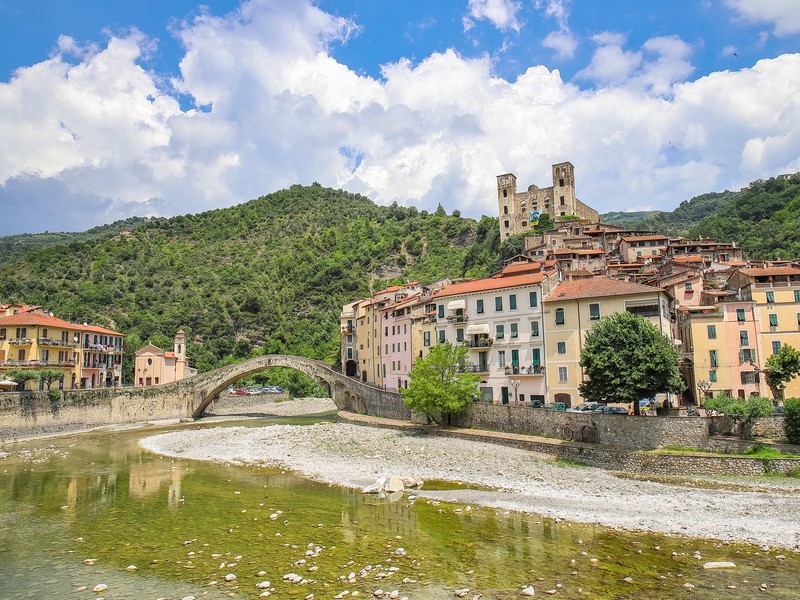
(346, 392)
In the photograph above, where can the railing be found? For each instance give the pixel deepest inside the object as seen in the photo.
(457, 319)
(474, 369)
(20, 341)
(531, 370)
(58, 343)
(771, 284)
(480, 343)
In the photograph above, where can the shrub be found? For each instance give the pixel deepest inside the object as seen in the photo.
(743, 411)
(791, 419)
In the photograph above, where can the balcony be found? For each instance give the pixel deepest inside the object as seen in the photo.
(479, 343)
(20, 341)
(537, 370)
(457, 319)
(474, 369)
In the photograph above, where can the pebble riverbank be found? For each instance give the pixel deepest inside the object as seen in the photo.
(761, 512)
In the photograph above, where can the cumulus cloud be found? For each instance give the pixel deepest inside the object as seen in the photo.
(562, 41)
(93, 136)
(782, 14)
(501, 13)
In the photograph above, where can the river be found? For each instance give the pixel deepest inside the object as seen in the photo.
(93, 509)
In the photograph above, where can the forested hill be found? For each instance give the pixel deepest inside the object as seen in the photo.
(268, 275)
(763, 219)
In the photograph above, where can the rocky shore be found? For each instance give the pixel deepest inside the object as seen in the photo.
(735, 510)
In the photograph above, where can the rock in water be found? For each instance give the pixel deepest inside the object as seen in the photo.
(719, 565)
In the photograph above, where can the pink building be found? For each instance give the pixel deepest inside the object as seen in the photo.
(397, 356)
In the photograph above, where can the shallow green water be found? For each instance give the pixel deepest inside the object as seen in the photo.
(98, 499)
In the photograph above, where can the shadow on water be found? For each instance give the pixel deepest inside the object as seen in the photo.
(80, 510)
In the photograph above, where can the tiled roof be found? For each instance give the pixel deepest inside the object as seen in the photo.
(97, 329)
(644, 238)
(519, 268)
(490, 283)
(765, 272)
(597, 287)
(33, 319)
(690, 258)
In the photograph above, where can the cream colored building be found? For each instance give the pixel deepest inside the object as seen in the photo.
(571, 310)
(155, 366)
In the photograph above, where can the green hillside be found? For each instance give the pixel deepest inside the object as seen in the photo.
(268, 275)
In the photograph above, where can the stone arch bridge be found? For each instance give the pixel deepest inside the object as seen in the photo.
(190, 397)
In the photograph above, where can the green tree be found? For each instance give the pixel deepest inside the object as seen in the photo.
(440, 385)
(50, 376)
(22, 376)
(791, 419)
(743, 411)
(626, 358)
(545, 222)
(781, 368)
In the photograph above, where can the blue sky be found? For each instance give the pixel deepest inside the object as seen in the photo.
(113, 109)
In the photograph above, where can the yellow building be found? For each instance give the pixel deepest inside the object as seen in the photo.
(570, 311)
(776, 294)
(33, 339)
(154, 366)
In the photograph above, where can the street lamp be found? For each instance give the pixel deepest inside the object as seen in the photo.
(515, 384)
(704, 385)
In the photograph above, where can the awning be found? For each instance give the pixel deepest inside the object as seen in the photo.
(477, 329)
(456, 304)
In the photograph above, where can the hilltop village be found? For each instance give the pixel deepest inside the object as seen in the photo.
(524, 326)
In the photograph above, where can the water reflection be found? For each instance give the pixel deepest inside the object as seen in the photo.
(185, 525)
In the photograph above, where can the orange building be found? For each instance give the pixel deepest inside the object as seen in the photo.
(155, 366)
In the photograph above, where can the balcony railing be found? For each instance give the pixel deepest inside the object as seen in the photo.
(479, 343)
(20, 341)
(521, 370)
(457, 319)
(58, 343)
(474, 369)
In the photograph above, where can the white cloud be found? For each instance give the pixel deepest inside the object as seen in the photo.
(501, 13)
(782, 14)
(88, 141)
(563, 42)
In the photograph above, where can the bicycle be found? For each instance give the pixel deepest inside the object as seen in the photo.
(585, 433)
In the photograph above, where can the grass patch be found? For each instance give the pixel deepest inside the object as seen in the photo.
(682, 450)
(569, 462)
(764, 451)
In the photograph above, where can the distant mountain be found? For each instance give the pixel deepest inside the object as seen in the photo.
(268, 275)
(13, 247)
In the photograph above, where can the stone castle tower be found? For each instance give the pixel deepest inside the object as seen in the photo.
(517, 208)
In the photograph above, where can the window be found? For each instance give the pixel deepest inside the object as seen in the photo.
(537, 357)
(797, 295)
(514, 332)
(501, 358)
(426, 338)
(749, 377)
(534, 299)
(534, 328)
(506, 224)
(712, 332)
(687, 286)
(712, 376)
(512, 302)
(748, 355)
(442, 339)
(22, 332)
(562, 374)
(744, 338)
(713, 358)
(770, 297)
(505, 208)
(562, 347)
(559, 316)
(459, 335)
(498, 303)
(441, 311)
(2, 333)
(594, 312)
(515, 360)
(740, 314)
(776, 346)
(773, 320)
(479, 306)
(500, 332)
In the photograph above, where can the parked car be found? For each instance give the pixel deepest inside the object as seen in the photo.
(587, 407)
(537, 404)
(778, 410)
(611, 410)
(557, 406)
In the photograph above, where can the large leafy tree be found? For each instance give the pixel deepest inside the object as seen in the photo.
(744, 412)
(781, 368)
(626, 358)
(440, 386)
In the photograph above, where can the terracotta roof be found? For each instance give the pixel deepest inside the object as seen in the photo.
(644, 238)
(590, 251)
(26, 318)
(690, 258)
(97, 329)
(519, 268)
(764, 272)
(490, 283)
(597, 287)
(169, 355)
